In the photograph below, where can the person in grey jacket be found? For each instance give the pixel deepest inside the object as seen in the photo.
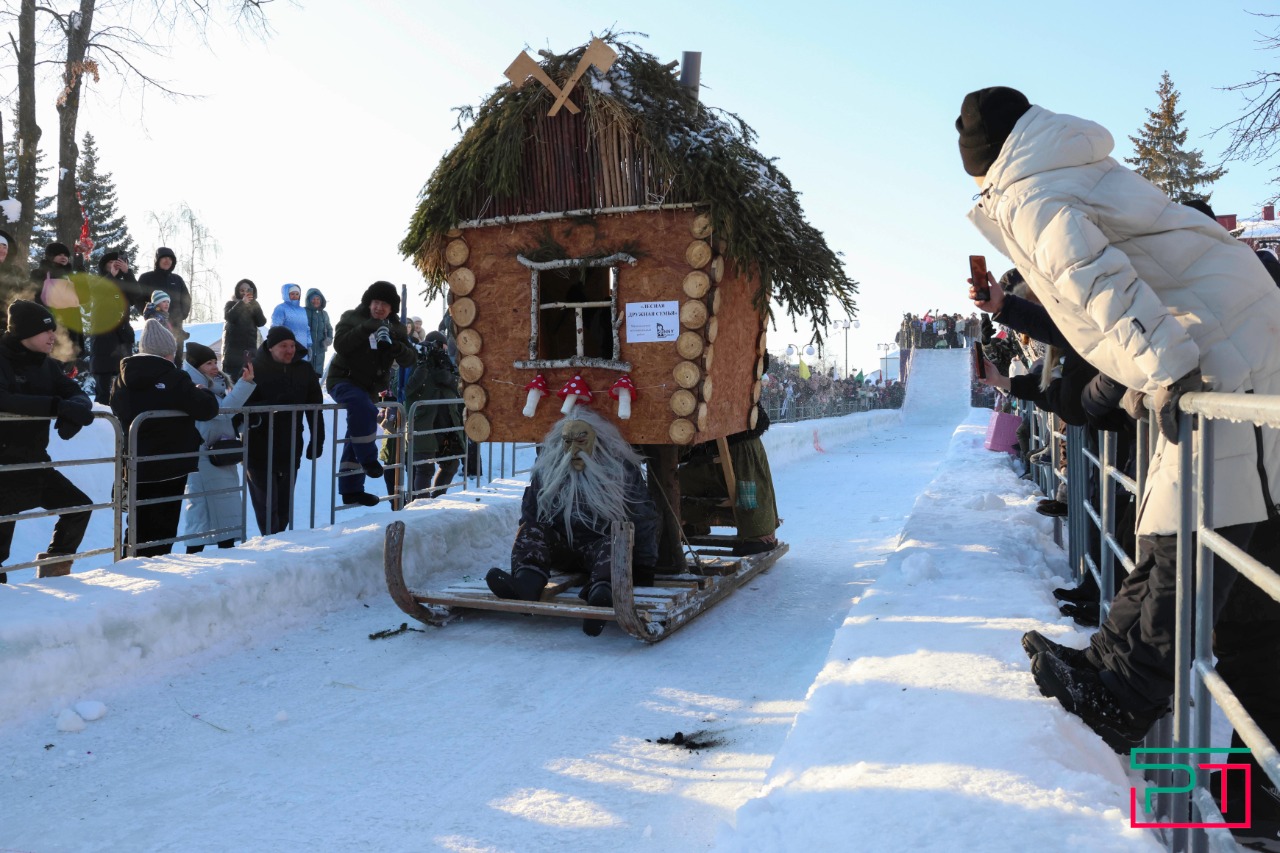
(212, 515)
(321, 328)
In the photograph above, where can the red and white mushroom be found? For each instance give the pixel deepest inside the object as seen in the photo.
(537, 390)
(624, 391)
(574, 392)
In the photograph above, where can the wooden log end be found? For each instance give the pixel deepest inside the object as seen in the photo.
(682, 431)
(477, 427)
(684, 403)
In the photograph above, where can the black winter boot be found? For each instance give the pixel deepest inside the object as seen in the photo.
(1086, 591)
(372, 469)
(1086, 614)
(1082, 693)
(1033, 643)
(599, 594)
(524, 585)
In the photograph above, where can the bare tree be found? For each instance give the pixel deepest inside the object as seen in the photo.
(1255, 135)
(112, 48)
(181, 229)
(28, 139)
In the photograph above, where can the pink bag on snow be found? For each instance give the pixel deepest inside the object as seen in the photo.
(1002, 432)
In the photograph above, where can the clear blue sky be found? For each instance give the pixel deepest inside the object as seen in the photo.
(307, 152)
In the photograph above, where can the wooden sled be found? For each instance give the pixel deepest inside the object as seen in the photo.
(650, 614)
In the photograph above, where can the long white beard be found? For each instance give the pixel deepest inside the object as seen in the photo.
(595, 496)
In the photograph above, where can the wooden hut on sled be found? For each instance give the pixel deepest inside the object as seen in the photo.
(603, 236)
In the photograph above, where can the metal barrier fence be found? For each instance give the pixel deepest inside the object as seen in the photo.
(1092, 477)
(125, 502)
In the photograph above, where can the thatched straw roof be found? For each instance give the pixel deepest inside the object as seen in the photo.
(641, 139)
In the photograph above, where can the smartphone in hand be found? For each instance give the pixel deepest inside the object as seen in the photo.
(978, 276)
(979, 361)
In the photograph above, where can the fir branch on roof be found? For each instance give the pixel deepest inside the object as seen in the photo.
(641, 139)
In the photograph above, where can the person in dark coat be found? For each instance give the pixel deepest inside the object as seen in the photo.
(242, 318)
(585, 479)
(14, 281)
(432, 457)
(64, 302)
(164, 278)
(149, 381)
(112, 340)
(367, 342)
(276, 444)
(32, 383)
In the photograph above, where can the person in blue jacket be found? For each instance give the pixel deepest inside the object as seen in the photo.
(321, 328)
(292, 314)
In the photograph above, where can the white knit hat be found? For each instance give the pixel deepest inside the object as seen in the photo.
(157, 340)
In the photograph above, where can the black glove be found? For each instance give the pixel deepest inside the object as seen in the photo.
(382, 337)
(66, 429)
(76, 413)
(1165, 402)
(313, 451)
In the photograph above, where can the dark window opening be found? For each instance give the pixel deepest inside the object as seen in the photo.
(569, 296)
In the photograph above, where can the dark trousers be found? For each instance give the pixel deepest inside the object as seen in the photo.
(48, 489)
(362, 428)
(102, 383)
(1134, 648)
(272, 495)
(543, 548)
(157, 521)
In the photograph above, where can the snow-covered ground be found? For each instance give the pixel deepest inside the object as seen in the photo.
(867, 693)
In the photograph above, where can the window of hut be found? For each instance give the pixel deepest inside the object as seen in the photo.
(574, 313)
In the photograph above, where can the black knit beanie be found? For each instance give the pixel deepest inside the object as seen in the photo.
(278, 334)
(198, 354)
(28, 319)
(383, 291)
(987, 117)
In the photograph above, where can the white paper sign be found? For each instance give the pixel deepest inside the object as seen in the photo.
(652, 322)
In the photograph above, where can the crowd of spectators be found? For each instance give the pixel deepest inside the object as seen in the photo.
(789, 394)
(935, 330)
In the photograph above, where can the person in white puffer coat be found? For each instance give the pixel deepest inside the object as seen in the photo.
(1162, 299)
(208, 513)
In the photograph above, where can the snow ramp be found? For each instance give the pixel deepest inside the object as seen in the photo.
(938, 387)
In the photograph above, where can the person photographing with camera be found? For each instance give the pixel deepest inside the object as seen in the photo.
(367, 342)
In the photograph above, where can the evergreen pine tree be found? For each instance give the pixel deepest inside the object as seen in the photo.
(1160, 155)
(43, 232)
(109, 231)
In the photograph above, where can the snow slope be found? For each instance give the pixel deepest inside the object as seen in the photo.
(866, 693)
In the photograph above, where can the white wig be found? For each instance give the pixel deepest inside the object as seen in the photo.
(595, 496)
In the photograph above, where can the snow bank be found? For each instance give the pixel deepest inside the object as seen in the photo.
(62, 637)
(925, 718)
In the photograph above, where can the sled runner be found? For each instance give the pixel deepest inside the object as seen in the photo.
(648, 613)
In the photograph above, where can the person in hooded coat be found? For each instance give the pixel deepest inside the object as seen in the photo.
(32, 383)
(276, 443)
(320, 328)
(293, 316)
(242, 320)
(112, 337)
(208, 513)
(164, 278)
(1163, 300)
(149, 381)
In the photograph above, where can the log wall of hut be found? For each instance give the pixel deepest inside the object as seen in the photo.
(713, 372)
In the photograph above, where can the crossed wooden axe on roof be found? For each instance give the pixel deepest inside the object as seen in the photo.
(597, 53)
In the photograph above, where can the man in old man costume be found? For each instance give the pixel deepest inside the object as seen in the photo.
(586, 478)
